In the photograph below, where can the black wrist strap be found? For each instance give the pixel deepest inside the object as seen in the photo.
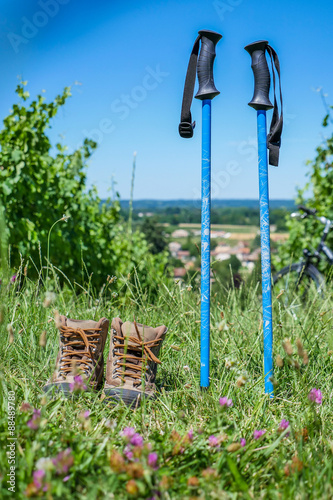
(186, 126)
(275, 131)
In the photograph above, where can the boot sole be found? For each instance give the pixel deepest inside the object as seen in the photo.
(62, 388)
(131, 399)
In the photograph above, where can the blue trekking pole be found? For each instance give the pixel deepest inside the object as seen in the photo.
(207, 91)
(261, 103)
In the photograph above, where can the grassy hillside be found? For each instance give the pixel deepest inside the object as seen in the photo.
(197, 441)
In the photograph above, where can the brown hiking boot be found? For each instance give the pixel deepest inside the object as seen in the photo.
(132, 362)
(80, 362)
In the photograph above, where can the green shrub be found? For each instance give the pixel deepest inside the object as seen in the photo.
(39, 183)
(306, 233)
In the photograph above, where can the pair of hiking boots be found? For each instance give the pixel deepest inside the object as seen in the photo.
(131, 365)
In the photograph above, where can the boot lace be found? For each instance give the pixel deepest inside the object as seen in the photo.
(142, 354)
(75, 338)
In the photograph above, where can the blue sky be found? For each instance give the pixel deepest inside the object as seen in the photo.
(131, 58)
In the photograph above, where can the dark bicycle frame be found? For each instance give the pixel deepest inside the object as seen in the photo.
(313, 258)
(322, 248)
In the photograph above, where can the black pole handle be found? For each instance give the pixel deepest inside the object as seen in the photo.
(262, 79)
(207, 89)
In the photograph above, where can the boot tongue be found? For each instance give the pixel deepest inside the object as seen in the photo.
(147, 333)
(85, 325)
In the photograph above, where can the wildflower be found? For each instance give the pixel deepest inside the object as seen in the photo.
(84, 415)
(128, 432)
(193, 481)
(190, 435)
(136, 440)
(38, 476)
(134, 470)
(315, 396)
(38, 484)
(165, 482)
(111, 424)
(284, 424)
(258, 434)
(229, 363)
(66, 478)
(63, 461)
(155, 497)
(25, 407)
(128, 453)
(213, 441)
(65, 217)
(243, 442)
(152, 460)
(13, 278)
(132, 487)
(209, 473)
(34, 422)
(241, 381)
(44, 464)
(78, 384)
(222, 325)
(117, 462)
(225, 402)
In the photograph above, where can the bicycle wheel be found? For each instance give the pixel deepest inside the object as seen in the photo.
(299, 283)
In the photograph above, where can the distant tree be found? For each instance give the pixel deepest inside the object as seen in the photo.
(191, 247)
(154, 235)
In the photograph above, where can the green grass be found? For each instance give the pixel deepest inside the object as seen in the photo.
(277, 466)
